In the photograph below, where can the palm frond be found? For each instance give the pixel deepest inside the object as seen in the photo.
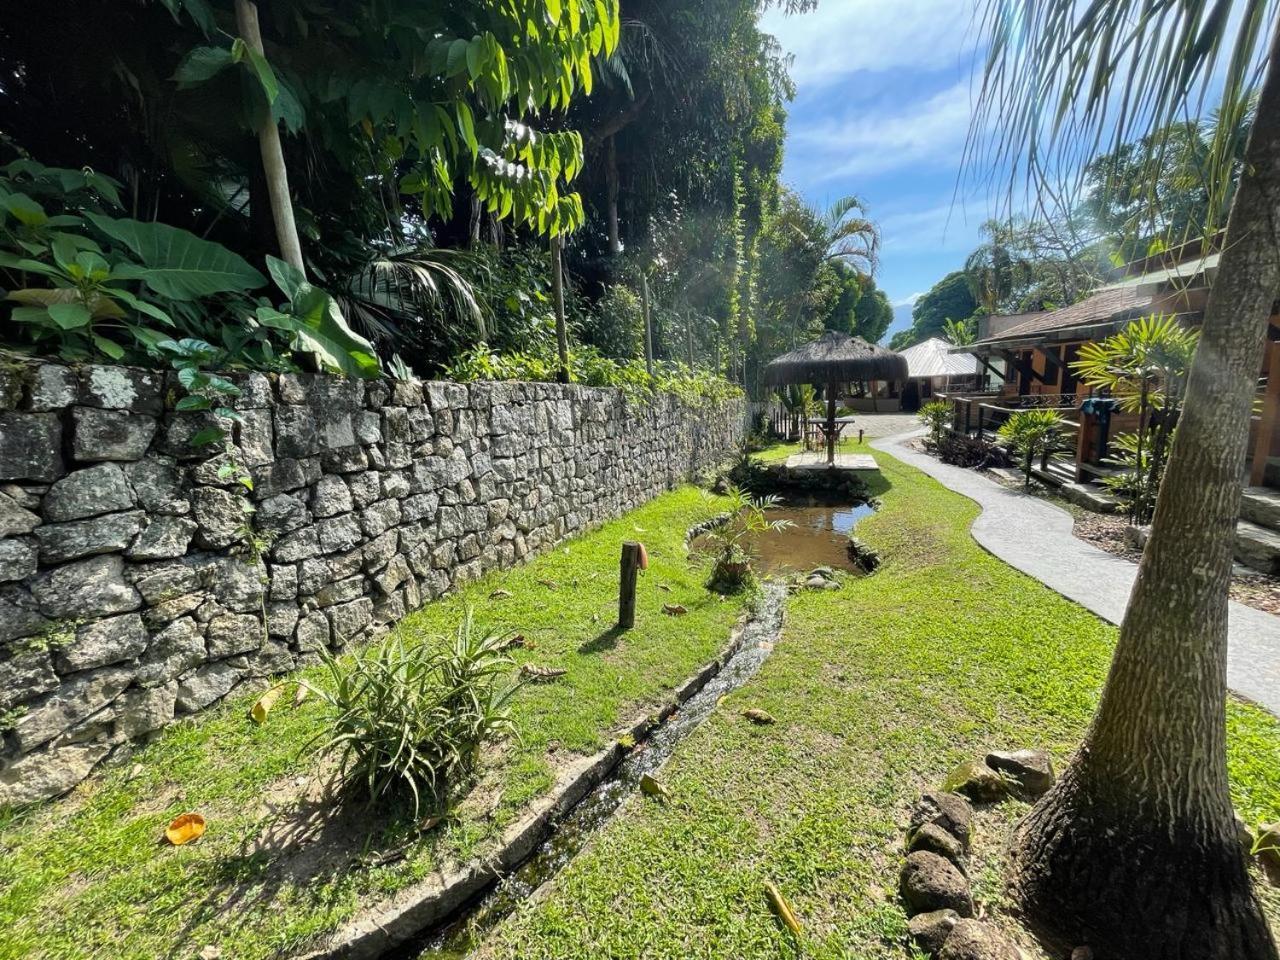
(1064, 81)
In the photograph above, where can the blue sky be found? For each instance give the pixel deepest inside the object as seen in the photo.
(881, 111)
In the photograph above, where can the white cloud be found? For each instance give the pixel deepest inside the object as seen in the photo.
(845, 36)
(942, 228)
(902, 133)
(907, 301)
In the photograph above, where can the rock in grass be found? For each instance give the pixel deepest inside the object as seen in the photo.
(950, 812)
(978, 782)
(973, 940)
(929, 882)
(934, 839)
(1032, 770)
(1268, 847)
(930, 930)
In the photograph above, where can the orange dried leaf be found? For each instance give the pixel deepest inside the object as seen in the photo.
(185, 828)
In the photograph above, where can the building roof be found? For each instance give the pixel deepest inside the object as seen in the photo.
(1108, 305)
(835, 358)
(1186, 271)
(930, 358)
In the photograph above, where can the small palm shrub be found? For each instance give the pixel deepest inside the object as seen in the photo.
(936, 415)
(411, 718)
(732, 568)
(1030, 434)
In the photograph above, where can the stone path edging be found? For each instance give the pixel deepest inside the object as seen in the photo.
(428, 903)
(1035, 537)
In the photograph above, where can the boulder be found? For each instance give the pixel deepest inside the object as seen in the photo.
(164, 538)
(103, 643)
(87, 588)
(140, 711)
(975, 780)
(25, 672)
(934, 839)
(220, 515)
(18, 559)
(206, 685)
(331, 497)
(950, 812)
(930, 930)
(110, 434)
(929, 882)
(74, 702)
(173, 651)
(110, 533)
(1031, 770)
(87, 493)
(974, 940)
(158, 483)
(30, 446)
(15, 519)
(48, 773)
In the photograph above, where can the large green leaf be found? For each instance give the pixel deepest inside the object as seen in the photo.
(317, 322)
(178, 264)
(201, 64)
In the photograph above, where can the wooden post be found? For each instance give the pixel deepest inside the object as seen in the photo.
(831, 424)
(648, 325)
(557, 290)
(272, 153)
(628, 572)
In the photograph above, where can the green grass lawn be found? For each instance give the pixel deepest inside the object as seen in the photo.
(878, 689)
(85, 877)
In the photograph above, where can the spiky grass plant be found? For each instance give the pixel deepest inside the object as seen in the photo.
(413, 717)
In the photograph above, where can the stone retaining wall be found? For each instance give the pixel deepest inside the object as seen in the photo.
(136, 587)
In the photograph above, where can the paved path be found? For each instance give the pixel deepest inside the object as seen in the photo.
(1035, 536)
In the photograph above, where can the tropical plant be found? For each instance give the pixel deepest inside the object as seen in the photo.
(1030, 434)
(800, 400)
(1144, 367)
(747, 517)
(412, 717)
(960, 332)
(995, 269)
(937, 416)
(1145, 806)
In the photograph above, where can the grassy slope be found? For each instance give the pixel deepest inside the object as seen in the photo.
(84, 877)
(878, 690)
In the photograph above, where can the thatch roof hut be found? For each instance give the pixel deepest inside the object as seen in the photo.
(832, 359)
(835, 357)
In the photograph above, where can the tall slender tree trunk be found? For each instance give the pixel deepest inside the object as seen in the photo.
(272, 153)
(1134, 851)
(648, 325)
(557, 291)
(611, 193)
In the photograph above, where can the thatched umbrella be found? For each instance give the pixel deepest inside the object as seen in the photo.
(832, 359)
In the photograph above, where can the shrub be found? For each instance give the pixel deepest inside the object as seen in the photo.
(936, 415)
(732, 568)
(414, 716)
(1031, 434)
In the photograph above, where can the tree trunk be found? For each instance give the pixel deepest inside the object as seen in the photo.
(1134, 851)
(611, 193)
(272, 153)
(648, 325)
(557, 290)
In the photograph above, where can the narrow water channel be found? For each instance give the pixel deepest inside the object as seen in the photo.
(468, 930)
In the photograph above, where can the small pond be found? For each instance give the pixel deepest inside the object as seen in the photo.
(818, 536)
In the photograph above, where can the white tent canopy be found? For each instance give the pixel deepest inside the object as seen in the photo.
(930, 358)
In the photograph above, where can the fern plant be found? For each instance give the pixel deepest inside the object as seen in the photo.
(412, 718)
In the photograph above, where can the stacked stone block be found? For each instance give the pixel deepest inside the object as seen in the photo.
(136, 587)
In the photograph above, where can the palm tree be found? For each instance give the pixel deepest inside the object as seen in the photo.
(995, 270)
(1134, 851)
(848, 235)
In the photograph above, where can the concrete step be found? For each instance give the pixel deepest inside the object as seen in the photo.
(1261, 505)
(1090, 496)
(1258, 547)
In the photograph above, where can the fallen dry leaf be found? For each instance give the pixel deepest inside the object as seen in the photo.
(674, 609)
(500, 595)
(550, 584)
(758, 716)
(542, 673)
(262, 706)
(184, 828)
(778, 903)
(652, 788)
(301, 694)
(663, 586)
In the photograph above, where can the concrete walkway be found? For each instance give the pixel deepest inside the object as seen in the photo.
(1035, 537)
